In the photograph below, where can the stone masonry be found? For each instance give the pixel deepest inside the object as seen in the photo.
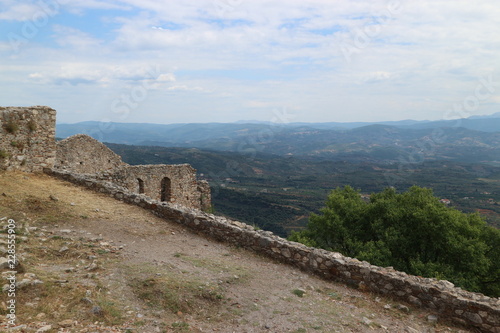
(27, 138)
(172, 183)
(83, 154)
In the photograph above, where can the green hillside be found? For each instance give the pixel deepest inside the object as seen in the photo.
(278, 193)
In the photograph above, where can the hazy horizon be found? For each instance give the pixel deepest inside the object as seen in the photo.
(254, 121)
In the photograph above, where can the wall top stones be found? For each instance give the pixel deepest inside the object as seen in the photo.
(27, 138)
(81, 153)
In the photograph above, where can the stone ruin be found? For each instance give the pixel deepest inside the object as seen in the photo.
(28, 144)
(177, 184)
(83, 154)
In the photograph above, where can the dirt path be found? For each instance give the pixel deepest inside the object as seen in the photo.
(160, 277)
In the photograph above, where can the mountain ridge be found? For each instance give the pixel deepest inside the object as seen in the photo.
(375, 142)
(137, 133)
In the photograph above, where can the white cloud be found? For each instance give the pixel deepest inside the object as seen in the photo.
(74, 38)
(227, 55)
(15, 11)
(168, 77)
(259, 104)
(102, 75)
(185, 88)
(379, 76)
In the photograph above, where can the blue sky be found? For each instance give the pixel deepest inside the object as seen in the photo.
(229, 60)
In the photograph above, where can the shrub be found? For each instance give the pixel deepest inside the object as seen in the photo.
(3, 154)
(32, 126)
(298, 292)
(11, 126)
(411, 231)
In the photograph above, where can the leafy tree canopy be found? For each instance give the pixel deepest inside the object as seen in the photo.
(413, 232)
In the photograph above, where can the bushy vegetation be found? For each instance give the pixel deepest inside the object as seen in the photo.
(32, 126)
(413, 232)
(11, 127)
(255, 210)
(3, 154)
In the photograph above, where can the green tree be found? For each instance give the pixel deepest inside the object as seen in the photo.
(411, 231)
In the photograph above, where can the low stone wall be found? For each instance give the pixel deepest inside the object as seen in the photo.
(466, 308)
(27, 138)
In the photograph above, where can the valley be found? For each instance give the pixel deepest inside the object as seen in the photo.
(279, 193)
(275, 175)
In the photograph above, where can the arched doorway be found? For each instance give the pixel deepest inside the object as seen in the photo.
(166, 189)
(141, 185)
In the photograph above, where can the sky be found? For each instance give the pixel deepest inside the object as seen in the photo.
(198, 61)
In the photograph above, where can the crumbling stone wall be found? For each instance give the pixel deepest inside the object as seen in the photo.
(27, 138)
(205, 195)
(83, 154)
(440, 297)
(28, 143)
(171, 183)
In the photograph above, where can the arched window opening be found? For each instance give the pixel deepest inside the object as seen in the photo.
(141, 185)
(166, 189)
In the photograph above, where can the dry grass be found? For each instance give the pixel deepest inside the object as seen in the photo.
(176, 293)
(26, 198)
(43, 200)
(11, 126)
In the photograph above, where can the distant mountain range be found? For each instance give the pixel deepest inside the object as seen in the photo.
(466, 140)
(137, 133)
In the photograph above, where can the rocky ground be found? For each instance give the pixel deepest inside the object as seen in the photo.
(89, 263)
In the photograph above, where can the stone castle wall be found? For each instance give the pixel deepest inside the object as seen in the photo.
(27, 138)
(27, 143)
(440, 297)
(172, 183)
